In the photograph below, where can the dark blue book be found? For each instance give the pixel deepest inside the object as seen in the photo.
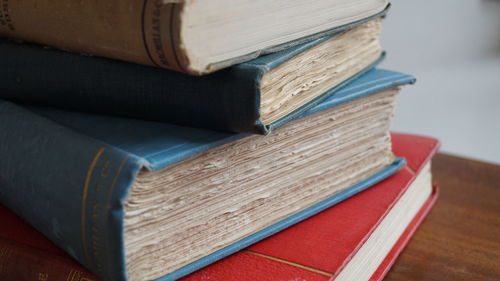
(253, 97)
(141, 200)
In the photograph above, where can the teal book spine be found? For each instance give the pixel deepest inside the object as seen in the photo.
(68, 173)
(227, 100)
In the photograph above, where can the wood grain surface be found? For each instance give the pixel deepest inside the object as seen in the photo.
(460, 239)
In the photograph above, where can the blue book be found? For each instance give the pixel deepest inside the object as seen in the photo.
(140, 200)
(253, 97)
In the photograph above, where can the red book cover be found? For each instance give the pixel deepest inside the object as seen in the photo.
(315, 249)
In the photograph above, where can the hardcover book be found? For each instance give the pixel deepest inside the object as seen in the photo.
(141, 200)
(256, 96)
(358, 239)
(319, 248)
(196, 37)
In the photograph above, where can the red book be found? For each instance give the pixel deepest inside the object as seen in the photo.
(331, 245)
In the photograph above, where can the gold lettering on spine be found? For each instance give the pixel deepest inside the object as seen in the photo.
(71, 272)
(84, 201)
(96, 213)
(42, 276)
(156, 31)
(5, 253)
(76, 275)
(158, 21)
(5, 15)
(100, 183)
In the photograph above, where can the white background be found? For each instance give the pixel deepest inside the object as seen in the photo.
(453, 48)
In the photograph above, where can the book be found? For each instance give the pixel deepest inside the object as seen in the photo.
(195, 37)
(138, 199)
(358, 239)
(315, 249)
(256, 96)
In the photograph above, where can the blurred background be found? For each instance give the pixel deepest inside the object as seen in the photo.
(453, 48)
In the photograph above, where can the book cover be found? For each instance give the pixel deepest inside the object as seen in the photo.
(153, 32)
(87, 164)
(307, 250)
(253, 97)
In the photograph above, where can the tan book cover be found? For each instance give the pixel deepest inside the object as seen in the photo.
(195, 37)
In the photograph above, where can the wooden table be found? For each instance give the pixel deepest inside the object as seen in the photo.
(460, 238)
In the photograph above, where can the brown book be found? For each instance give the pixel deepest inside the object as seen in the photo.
(195, 37)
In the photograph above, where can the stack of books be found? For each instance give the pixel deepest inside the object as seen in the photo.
(221, 140)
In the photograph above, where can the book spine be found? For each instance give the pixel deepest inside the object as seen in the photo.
(144, 32)
(227, 100)
(68, 186)
(23, 263)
